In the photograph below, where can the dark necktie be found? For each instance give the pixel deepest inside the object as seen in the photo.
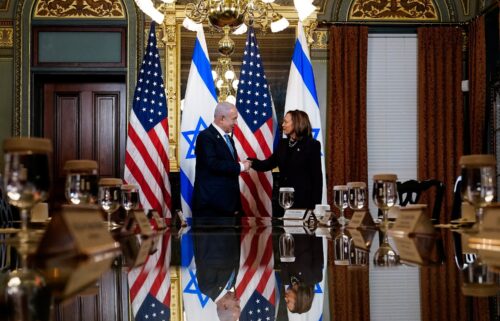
(228, 142)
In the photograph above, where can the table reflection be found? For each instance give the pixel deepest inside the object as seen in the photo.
(231, 270)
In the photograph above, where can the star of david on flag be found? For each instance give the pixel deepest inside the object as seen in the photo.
(193, 288)
(196, 303)
(191, 135)
(197, 114)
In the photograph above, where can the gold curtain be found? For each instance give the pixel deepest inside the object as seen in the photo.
(348, 46)
(477, 84)
(440, 128)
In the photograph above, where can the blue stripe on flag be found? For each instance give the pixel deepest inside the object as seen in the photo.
(186, 188)
(203, 65)
(187, 252)
(304, 67)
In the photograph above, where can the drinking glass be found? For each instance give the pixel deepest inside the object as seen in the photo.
(478, 182)
(27, 175)
(27, 294)
(385, 194)
(340, 200)
(286, 197)
(81, 181)
(287, 247)
(357, 195)
(480, 279)
(385, 254)
(130, 197)
(109, 197)
(342, 248)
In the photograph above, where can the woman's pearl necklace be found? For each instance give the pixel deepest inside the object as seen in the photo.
(292, 143)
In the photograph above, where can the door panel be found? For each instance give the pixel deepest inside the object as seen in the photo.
(66, 138)
(105, 114)
(85, 121)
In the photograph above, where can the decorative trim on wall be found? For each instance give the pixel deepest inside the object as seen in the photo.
(4, 5)
(170, 41)
(18, 62)
(6, 34)
(176, 309)
(451, 10)
(80, 9)
(386, 10)
(320, 39)
(465, 7)
(322, 6)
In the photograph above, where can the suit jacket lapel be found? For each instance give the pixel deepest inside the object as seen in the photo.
(222, 140)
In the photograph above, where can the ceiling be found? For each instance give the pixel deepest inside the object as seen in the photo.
(277, 48)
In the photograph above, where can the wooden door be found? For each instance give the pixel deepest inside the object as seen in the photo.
(85, 121)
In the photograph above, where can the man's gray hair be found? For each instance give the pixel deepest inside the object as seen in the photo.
(222, 109)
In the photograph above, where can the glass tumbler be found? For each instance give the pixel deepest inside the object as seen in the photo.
(110, 197)
(385, 194)
(357, 195)
(478, 182)
(26, 175)
(81, 181)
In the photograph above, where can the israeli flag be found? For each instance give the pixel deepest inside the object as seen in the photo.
(195, 302)
(197, 114)
(301, 93)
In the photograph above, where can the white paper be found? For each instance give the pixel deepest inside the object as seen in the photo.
(296, 214)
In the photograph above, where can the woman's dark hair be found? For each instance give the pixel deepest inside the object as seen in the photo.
(301, 124)
(304, 298)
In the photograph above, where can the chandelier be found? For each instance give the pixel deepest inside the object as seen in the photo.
(223, 74)
(237, 14)
(229, 16)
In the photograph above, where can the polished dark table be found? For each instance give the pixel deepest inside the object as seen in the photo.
(224, 268)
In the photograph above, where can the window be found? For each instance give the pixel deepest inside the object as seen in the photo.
(392, 148)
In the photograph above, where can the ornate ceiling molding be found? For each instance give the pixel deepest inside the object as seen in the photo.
(393, 10)
(6, 36)
(80, 9)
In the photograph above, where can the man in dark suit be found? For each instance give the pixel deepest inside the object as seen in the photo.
(216, 186)
(217, 257)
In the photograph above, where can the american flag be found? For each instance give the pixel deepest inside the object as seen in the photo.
(254, 135)
(256, 281)
(150, 284)
(146, 158)
(147, 165)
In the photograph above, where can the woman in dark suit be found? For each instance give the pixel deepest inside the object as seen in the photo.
(298, 157)
(301, 276)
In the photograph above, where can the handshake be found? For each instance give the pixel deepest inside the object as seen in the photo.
(247, 165)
